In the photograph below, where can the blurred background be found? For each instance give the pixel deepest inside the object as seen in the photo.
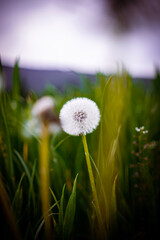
(83, 36)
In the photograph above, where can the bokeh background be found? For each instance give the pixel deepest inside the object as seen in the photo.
(85, 36)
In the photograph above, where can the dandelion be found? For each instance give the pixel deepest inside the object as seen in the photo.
(43, 108)
(79, 116)
(32, 127)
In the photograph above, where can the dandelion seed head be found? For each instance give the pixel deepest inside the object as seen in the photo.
(79, 116)
(33, 128)
(42, 106)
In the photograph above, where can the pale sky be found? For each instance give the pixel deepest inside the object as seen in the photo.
(50, 35)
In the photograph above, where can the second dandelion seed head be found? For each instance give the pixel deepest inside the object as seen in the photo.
(79, 116)
(44, 113)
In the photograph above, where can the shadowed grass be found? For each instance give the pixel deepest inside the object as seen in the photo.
(8, 213)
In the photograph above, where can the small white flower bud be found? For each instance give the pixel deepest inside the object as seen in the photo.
(137, 129)
(145, 132)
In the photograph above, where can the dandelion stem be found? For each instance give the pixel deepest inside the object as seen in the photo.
(93, 187)
(44, 179)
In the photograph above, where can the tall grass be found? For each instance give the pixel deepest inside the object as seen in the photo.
(125, 164)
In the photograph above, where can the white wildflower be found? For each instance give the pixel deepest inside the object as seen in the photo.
(141, 129)
(137, 129)
(79, 116)
(145, 132)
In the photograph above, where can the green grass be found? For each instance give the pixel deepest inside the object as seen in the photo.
(125, 164)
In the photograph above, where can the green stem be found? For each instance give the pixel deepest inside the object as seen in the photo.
(44, 179)
(93, 187)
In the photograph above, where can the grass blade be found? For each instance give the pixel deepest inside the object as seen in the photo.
(9, 215)
(3, 108)
(53, 195)
(61, 210)
(24, 165)
(16, 82)
(70, 212)
(16, 196)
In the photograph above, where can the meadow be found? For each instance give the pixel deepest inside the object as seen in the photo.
(124, 152)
